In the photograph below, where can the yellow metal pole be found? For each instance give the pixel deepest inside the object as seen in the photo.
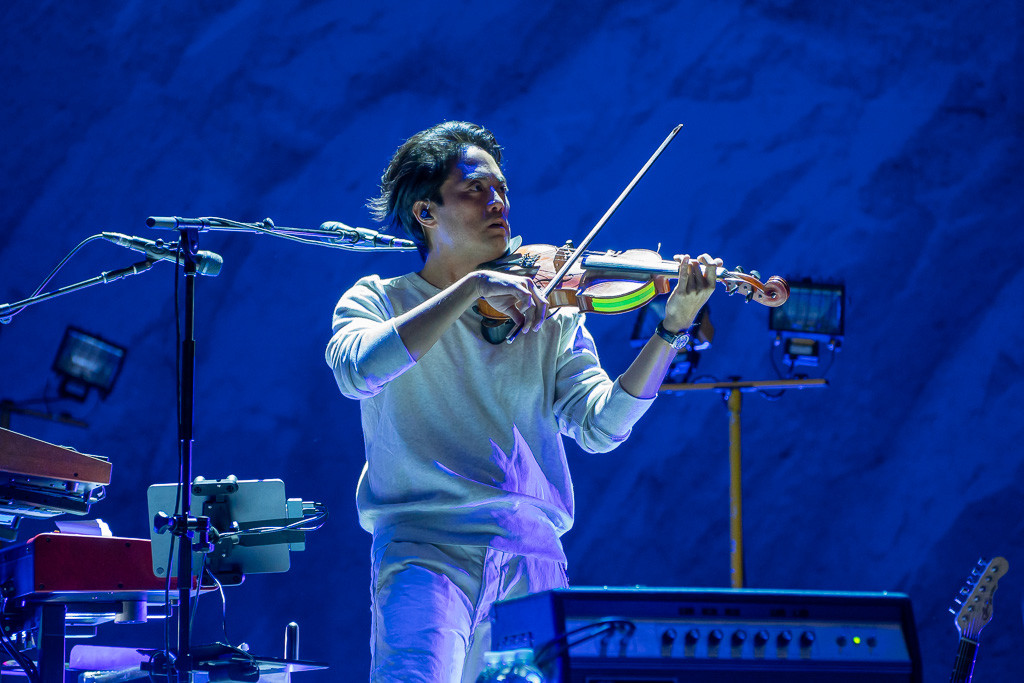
(732, 392)
(735, 490)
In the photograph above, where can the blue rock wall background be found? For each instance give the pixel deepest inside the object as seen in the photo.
(870, 143)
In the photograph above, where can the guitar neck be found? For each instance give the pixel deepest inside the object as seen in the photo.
(963, 668)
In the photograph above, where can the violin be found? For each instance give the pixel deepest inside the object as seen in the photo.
(609, 282)
(616, 282)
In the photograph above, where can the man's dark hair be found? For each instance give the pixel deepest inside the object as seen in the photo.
(419, 168)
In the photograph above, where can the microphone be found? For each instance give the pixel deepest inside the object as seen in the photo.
(207, 262)
(176, 223)
(348, 234)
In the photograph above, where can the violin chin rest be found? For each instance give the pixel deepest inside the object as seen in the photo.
(496, 331)
(513, 244)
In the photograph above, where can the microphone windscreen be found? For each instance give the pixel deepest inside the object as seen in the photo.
(208, 263)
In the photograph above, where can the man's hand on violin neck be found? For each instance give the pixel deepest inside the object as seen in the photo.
(515, 296)
(692, 290)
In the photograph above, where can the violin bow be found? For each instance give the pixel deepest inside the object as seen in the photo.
(580, 250)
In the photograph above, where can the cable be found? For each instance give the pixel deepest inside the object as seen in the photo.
(194, 602)
(224, 617)
(778, 373)
(168, 619)
(562, 641)
(319, 519)
(832, 359)
(769, 396)
(262, 228)
(53, 273)
(223, 604)
(26, 664)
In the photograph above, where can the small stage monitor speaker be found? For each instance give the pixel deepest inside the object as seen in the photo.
(679, 635)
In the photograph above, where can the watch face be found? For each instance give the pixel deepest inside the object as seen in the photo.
(678, 340)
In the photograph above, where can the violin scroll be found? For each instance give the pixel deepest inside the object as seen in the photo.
(773, 293)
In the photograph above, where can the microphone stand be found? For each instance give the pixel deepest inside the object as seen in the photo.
(183, 525)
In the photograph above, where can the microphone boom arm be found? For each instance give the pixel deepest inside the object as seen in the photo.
(8, 311)
(339, 237)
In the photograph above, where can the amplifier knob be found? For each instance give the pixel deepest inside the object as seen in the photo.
(668, 637)
(692, 636)
(785, 638)
(739, 637)
(716, 636)
(807, 638)
(761, 637)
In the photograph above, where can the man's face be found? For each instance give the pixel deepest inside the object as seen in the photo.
(473, 220)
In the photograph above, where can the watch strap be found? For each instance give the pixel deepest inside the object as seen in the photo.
(677, 341)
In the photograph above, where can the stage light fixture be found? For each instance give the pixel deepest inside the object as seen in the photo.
(85, 361)
(701, 334)
(812, 320)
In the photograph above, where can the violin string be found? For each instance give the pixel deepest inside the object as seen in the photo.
(563, 250)
(641, 264)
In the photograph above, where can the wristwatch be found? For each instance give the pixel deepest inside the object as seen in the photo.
(678, 341)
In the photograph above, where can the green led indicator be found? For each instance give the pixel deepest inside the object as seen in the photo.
(856, 640)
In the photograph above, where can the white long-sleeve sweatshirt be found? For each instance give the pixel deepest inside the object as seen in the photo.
(463, 447)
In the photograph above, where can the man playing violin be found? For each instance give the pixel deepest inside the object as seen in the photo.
(466, 487)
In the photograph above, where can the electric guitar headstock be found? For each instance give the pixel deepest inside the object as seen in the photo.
(973, 608)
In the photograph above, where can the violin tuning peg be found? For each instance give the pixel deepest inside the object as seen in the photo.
(755, 274)
(739, 269)
(749, 297)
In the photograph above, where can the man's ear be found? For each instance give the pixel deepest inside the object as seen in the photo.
(421, 209)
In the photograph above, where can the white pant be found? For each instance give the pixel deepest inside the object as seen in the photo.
(432, 604)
